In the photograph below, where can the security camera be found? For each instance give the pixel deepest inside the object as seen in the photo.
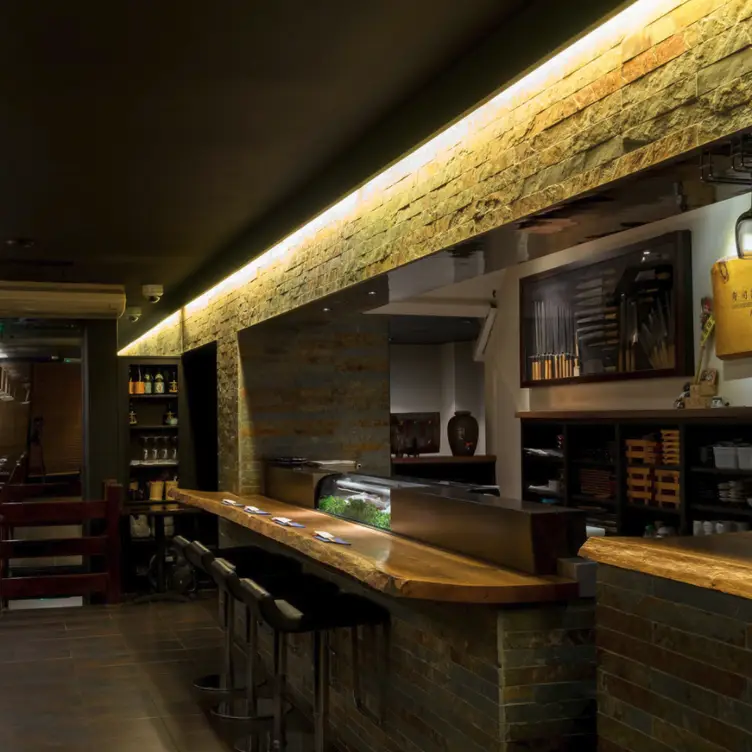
(153, 293)
(133, 313)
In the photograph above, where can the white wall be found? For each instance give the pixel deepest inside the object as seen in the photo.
(438, 378)
(712, 238)
(469, 389)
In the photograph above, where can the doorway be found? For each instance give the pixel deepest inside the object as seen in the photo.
(200, 391)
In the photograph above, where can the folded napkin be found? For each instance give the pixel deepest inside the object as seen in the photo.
(286, 522)
(254, 510)
(334, 539)
(231, 503)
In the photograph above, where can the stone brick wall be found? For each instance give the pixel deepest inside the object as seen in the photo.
(647, 89)
(651, 88)
(459, 678)
(674, 665)
(320, 392)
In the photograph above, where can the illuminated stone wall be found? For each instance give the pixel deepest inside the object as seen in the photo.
(652, 85)
(320, 392)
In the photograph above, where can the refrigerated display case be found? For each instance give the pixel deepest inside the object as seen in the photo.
(360, 498)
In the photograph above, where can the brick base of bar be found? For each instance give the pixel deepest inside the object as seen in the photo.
(464, 678)
(674, 665)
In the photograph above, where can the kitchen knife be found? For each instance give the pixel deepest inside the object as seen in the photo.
(595, 293)
(583, 312)
(600, 326)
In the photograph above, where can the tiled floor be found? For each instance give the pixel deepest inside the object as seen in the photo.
(114, 679)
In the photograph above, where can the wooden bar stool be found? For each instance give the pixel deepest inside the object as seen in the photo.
(300, 611)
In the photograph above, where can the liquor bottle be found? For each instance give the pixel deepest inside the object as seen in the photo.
(138, 386)
(132, 418)
(159, 382)
(174, 382)
(148, 383)
(131, 385)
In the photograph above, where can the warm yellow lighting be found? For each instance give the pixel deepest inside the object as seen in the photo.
(171, 320)
(638, 15)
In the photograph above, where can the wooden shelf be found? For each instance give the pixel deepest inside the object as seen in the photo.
(152, 396)
(156, 463)
(653, 509)
(139, 427)
(442, 460)
(720, 471)
(583, 431)
(731, 414)
(742, 511)
(585, 499)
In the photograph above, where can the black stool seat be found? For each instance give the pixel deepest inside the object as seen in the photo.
(309, 610)
(297, 607)
(248, 557)
(248, 560)
(181, 543)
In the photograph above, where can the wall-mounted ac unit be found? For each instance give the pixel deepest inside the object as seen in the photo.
(61, 301)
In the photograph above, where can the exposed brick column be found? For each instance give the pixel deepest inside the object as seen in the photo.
(227, 412)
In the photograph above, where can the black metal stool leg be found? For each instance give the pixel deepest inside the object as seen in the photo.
(321, 691)
(279, 735)
(251, 742)
(216, 682)
(228, 710)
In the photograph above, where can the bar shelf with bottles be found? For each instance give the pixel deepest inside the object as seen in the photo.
(152, 440)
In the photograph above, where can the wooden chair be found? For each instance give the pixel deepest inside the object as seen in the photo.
(104, 546)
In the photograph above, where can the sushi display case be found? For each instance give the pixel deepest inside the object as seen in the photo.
(455, 517)
(360, 498)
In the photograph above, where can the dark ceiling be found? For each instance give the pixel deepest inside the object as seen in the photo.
(138, 138)
(170, 142)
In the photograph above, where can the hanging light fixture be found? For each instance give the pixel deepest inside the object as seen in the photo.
(744, 235)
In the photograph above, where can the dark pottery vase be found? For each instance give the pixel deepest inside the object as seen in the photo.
(462, 432)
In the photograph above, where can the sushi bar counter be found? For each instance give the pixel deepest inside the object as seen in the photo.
(391, 564)
(476, 651)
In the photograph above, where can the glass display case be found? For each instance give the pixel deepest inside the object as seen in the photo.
(360, 498)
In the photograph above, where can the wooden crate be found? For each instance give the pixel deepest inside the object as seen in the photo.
(640, 485)
(642, 451)
(599, 484)
(667, 488)
(670, 447)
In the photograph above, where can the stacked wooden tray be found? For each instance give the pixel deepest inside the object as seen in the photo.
(670, 448)
(642, 451)
(667, 488)
(640, 485)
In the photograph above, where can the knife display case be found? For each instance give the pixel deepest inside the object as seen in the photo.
(626, 315)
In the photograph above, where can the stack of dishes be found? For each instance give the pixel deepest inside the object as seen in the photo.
(734, 492)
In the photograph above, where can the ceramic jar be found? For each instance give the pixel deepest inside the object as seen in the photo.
(462, 433)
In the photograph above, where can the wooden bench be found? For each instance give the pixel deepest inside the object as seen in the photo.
(103, 546)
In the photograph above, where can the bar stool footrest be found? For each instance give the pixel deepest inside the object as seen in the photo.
(213, 683)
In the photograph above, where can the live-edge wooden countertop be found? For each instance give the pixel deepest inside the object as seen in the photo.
(715, 562)
(388, 563)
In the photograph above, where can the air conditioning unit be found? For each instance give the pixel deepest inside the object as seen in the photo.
(61, 301)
